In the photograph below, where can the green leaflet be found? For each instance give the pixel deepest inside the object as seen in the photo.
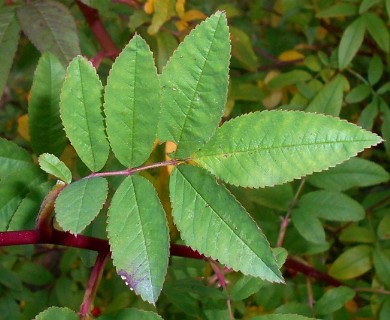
(194, 86)
(331, 205)
(329, 99)
(229, 236)
(272, 147)
(242, 49)
(51, 28)
(334, 299)
(378, 30)
(338, 10)
(138, 235)
(132, 101)
(80, 107)
(52, 165)
(9, 38)
(13, 158)
(14, 188)
(308, 226)
(381, 261)
(355, 172)
(57, 313)
(25, 216)
(45, 125)
(80, 202)
(131, 313)
(351, 41)
(245, 287)
(352, 263)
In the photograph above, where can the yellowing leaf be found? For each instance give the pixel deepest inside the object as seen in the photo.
(149, 6)
(181, 25)
(23, 127)
(191, 15)
(290, 55)
(180, 10)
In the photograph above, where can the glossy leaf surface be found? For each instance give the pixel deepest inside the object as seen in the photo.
(194, 86)
(9, 38)
(80, 202)
(273, 147)
(52, 165)
(46, 132)
(138, 235)
(80, 107)
(229, 236)
(51, 28)
(132, 103)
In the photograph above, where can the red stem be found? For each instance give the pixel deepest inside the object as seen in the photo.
(93, 283)
(102, 36)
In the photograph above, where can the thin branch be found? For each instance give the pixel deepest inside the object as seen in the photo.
(373, 290)
(286, 219)
(222, 282)
(128, 172)
(93, 283)
(102, 36)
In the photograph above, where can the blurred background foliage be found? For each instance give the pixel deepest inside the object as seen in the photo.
(324, 56)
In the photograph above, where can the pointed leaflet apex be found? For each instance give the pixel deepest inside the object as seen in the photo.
(132, 101)
(273, 147)
(81, 113)
(230, 235)
(194, 86)
(138, 235)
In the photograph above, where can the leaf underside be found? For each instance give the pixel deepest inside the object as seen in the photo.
(132, 101)
(229, 236)
(138, 235)
(9, 39)
(273, 147)
(194, 86)
(51, 28)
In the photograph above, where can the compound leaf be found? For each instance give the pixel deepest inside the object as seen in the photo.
(351, 41)
(138, 235)
(230, 236)
(194, 86)
(46, 132)
(80, 107)
(9, 38)
(355, 172)
(132, 103)
(378, 30)
(80, 202)
(50, 27)
(273, 147)
(52, 165)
